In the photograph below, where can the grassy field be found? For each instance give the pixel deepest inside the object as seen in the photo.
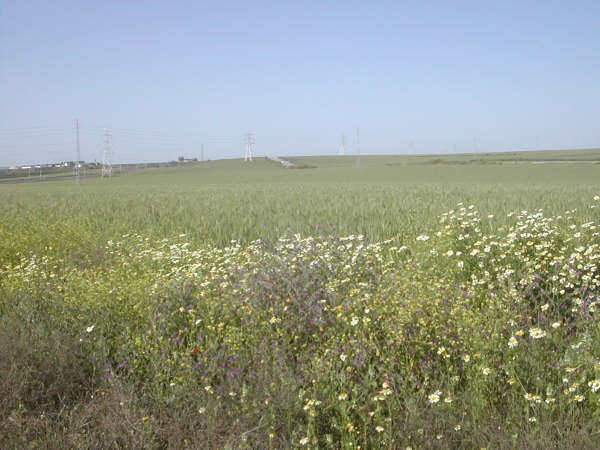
(387, 302)
(386, 197)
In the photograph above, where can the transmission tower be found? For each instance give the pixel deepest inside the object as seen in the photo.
(343, 145)
(107, 157)
(77, 174)
(357, 147)
(249, 147)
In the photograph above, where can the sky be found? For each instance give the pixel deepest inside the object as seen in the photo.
(166, 78)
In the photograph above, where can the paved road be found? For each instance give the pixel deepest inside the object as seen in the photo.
(37, 179)
(284, 162)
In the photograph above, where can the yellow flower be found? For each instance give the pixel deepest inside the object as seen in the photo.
(533, 398)
(435, 397)
(537, 333)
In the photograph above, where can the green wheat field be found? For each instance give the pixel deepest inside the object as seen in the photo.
(384, 302)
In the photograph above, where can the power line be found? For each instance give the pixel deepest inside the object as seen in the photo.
(30, 129)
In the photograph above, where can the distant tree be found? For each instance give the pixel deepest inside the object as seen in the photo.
(181, 159)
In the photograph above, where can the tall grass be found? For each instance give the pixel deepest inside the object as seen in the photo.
(356, 307)
(215, 204)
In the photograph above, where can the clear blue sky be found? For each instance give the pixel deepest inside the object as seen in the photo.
(415, 76)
